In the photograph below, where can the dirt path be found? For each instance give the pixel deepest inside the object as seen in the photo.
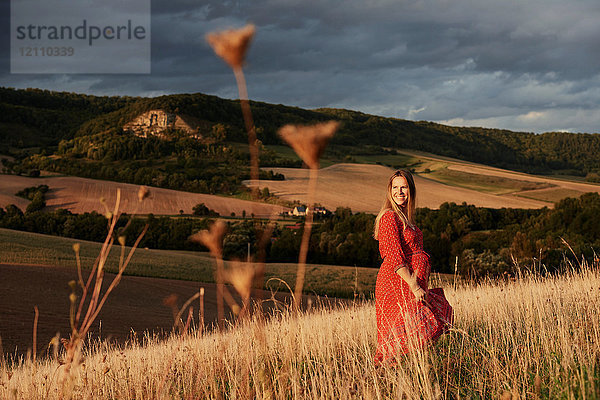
(135, 305)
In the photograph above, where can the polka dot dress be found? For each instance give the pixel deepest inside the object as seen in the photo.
(402, 322)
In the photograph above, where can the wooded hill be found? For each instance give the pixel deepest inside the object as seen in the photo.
(34, 118)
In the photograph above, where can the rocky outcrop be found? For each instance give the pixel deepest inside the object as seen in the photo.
(156, 122)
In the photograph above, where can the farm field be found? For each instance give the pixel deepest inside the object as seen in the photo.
(439, 179)
(362, 188)
(35, 270)
(80, 195)
(18, 247)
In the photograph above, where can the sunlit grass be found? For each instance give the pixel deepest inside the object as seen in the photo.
(530, 338)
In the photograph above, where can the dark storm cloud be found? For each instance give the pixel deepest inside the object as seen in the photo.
(522, 65)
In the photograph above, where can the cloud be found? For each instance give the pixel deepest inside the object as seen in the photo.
(520, 65)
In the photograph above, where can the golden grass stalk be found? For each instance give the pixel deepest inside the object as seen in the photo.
(309, 143)
(80, 327)
(265, 237)
(213, 240)
(35, 323)
(232, 45)
(178, 322)
(201, 311)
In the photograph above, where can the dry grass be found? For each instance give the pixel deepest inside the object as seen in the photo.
(535, 337)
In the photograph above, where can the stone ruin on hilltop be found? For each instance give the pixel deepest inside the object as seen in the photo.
(156, 122)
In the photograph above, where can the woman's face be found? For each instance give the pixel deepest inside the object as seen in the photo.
(400, 191)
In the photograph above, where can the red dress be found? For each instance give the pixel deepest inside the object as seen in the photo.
(403, 323)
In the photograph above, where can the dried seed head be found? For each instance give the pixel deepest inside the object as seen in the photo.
(241, 277)
(170, 300)
(76, 247)
(212, 239)
(108, 215)
(73, 298)
(231, 45)
(121, 240)
(309, 141)
(72, 284)
(143, 193)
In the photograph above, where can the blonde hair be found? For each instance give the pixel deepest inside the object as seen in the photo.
(407, 215)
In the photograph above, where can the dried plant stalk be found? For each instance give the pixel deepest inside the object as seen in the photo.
(80, 327)
(308, 142)
(231, 46)
(177, 319)
(201, 311)
(213, 240)
(259, 273)
(241, 276)
(35, 323)
(249, 122)
(312, 185)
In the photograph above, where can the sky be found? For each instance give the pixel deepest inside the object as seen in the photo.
(523, 65)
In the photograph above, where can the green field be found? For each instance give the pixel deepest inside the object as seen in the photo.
(553, 195)
(31, 248)
(18, 247)
(484, 183)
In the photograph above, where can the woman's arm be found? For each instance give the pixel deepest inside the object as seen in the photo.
(411, 279)
(389, 239)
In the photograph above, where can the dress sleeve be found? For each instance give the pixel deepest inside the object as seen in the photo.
(389, 239)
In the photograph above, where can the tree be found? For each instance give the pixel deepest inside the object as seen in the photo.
(202, 210)
(37, 203)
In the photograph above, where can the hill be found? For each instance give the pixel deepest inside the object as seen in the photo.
(55, 121)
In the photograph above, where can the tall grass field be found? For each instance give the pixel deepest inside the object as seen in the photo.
(533, 337)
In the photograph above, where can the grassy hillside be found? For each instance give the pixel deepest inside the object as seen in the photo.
(530, 338)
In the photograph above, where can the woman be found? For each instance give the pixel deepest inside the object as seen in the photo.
(409, 316)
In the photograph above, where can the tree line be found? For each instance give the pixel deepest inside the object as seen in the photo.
(485, 241)
(27, 116)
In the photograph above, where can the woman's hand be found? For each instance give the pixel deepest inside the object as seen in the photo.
(411, 279)
(419, 293)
